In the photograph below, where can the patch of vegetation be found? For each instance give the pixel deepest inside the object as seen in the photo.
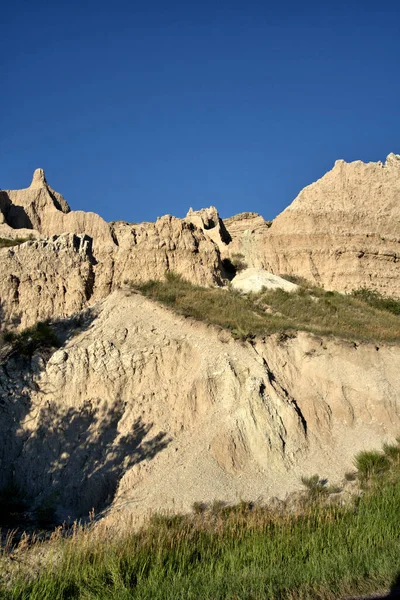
(238, 261)
(371, 463)
(375, 299)
(9, 243)
(26, 342)
(247, 553)
(315, 486)
(309, 309)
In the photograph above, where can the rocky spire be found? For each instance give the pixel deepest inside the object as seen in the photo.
(38, 179)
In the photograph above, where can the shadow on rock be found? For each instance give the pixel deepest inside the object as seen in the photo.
(59, 462)
(74, 459)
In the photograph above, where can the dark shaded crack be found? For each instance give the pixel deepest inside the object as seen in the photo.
(281, 390)
(89, 283)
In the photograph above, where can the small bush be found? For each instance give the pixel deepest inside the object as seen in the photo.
(350, 476)
(371, 463)
(392, 451)
(316, 487)
(199, 508)
(238, 262)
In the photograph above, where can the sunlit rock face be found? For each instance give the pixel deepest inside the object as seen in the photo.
(341, 232)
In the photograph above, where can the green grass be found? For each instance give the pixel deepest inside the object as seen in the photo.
(375, 299)
(310, 309)
(371, 463)
(9, 243)
(236, 553)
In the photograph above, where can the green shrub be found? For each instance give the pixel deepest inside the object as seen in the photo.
(238, 262)
(392, 451)
(316, 487)
(372, 462)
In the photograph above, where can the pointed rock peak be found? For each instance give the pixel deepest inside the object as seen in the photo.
(38, 179)
(392, 160)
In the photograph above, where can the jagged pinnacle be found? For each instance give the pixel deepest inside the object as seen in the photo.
(38, 179)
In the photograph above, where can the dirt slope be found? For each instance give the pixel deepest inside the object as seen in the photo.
(147, 410)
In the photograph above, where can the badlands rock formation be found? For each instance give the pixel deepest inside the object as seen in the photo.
(254, 280)
(115, 253)
(142, 409)
(341, 232)
(45, 279)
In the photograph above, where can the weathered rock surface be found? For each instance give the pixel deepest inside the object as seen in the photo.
(147, 250)
(119, 252)
(148, 410)
(248, 231)
(209, 221)
(45, 279)
(341, 232)
(254, 280)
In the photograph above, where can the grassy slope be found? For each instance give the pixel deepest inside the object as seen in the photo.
(311, 309)
(239, 553)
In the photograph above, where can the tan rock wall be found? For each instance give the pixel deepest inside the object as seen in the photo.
(341, 232)
(44, 279)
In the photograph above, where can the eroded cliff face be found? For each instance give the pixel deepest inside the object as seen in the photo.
(142, 409)
(119, 252)
(45, 279)
(341, 232)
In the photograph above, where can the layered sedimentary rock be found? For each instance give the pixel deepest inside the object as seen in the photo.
(341, 232)
(248, 231)
(40, 208)
(120, 252)
(142, 409)
(148, 250)
(46, 279)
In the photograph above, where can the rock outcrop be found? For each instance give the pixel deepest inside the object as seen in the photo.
(148, 250)
(341, 232)
(120, 252)
(255, 280)
(248, 232)
(144, 410)
(45, 279)
(40, 208)
(141, 409)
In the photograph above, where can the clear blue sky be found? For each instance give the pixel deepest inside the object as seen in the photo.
(138, 109)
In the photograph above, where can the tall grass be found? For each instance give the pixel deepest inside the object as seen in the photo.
(310, 309)
(245, 552)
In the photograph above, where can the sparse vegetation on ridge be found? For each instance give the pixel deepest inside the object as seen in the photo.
(9, 243)
(310, 309)
(245, 552)
(375, 299)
